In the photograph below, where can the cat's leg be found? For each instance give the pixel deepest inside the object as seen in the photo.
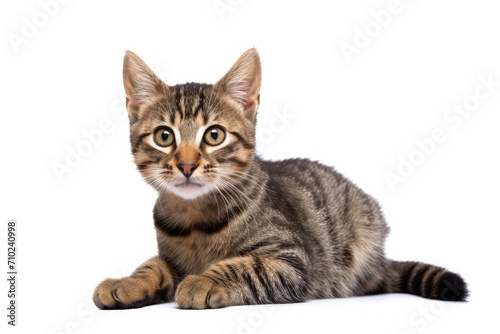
(150, 283)
(252, 279)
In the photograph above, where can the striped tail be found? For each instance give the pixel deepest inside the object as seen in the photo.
(427, 281)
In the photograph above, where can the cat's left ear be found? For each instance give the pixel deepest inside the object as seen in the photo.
(141, 84)
(242, 83)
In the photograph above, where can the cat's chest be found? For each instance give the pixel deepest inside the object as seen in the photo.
(194, 253)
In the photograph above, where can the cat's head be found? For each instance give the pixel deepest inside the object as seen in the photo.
(193, 139)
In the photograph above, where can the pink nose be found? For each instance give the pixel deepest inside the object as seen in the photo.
(187, 168)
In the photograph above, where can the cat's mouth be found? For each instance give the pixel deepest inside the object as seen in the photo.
(188, 184)
(188, 189)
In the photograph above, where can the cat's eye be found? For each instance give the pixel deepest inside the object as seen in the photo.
(214, 136)
(164, 136)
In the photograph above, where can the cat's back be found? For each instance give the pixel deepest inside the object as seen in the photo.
(303, 175)
(308, 189)
(313, 196)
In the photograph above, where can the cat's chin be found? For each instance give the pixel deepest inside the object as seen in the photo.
(188, 190)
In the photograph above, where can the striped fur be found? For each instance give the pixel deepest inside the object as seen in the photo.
(241, 230)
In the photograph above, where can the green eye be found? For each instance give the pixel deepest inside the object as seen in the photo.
(214, 136)
(164, 137)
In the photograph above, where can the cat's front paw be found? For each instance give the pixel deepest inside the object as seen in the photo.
(198, 292)
(123, 293)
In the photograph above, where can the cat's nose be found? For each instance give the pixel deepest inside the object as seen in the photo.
(187, 168)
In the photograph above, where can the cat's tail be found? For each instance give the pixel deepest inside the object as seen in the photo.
(425, 280)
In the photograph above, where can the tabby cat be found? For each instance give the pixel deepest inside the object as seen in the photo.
(233, 229)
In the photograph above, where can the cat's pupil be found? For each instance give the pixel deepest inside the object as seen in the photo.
(214, 134)
(165, 135)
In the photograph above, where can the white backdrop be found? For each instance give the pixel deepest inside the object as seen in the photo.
(401, 96)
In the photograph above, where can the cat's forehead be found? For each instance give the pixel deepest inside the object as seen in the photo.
(181, 106)
(190, 100)
(185, 104)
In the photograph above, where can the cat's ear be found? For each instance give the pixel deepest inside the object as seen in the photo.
(141, 83)
(242, 83)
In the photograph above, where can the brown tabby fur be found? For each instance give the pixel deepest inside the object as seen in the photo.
(241, 230)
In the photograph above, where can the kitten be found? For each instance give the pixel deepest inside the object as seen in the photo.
(233, 229)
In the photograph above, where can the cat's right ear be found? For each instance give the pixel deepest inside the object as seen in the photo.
(141, 84)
